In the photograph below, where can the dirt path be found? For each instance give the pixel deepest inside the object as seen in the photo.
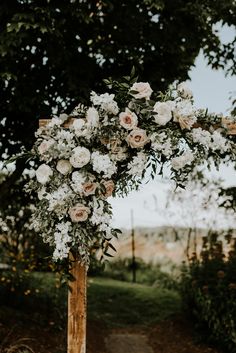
(128, 343)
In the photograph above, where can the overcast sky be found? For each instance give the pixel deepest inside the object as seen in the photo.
(211, 89)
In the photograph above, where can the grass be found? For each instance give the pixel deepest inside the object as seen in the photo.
(119, 303)
(110, 302)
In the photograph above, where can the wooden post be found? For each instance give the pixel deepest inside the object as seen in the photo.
(77, 303)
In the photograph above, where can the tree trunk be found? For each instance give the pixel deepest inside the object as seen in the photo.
(77, 301)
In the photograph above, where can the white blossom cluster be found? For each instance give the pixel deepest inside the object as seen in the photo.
(107, 149)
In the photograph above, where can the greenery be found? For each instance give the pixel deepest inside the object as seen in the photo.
(111, 302)
(209, 290)
(146, 273)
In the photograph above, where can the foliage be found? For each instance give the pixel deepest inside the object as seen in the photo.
(52, 53)
(110, 302)
(209, 289)
(146, 273)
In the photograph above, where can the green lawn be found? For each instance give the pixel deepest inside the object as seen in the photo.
(111, 302)
(119, 303)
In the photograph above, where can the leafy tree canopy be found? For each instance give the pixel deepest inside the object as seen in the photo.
(53, 52)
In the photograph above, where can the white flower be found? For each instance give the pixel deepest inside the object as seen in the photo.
(181, 161)
(128, 119)
(45, 145)
(201, 136)
(78, 126)
(137, 165)
(43, 173)
(92, 117)
(164, 112)
(57, 200)
(80, 157)
(106, 102)
(143, 90)
(184, 114)
(102, 164)
(98, 215)
(137, 138)
(219, 142)
(184, 91)
(61, 240)
(41, 193)
(63, 166)
(78, 179)
(161, 143)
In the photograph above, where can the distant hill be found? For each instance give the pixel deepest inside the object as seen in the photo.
(159, 245)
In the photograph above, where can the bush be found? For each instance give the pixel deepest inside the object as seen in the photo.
(146, 273)
(209, 290)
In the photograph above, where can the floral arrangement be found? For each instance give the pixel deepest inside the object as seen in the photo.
(107, 149)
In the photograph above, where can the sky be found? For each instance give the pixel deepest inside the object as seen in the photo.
(211, 89)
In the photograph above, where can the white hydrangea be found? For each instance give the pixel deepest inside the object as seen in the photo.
(201, 136)
(57, 199)
(219, 142)
(137, 165)
(78, 179)
(99, 217)
(185, 114)
(102, 164)
(61, 239)
(180, 162)
(106, 102)
(161, 143)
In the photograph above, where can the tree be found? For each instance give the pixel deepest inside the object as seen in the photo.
(52, 53)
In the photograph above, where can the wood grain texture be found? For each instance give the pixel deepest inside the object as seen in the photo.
(77, 306)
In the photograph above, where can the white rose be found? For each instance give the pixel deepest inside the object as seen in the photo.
(45, 145)
(184, 91)
(92, 117)
(128, 119)
(137, 138)
(80, 157)
(64, 166)
(164, 112)
(143, 90)
(43, 173)
(79, 213)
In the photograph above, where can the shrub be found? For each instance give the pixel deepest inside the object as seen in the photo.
(209, 289)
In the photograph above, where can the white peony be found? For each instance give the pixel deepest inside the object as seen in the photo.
(143, 90)
(184, 91)
(164, 112)
(63, 166)
(128, 119)
(43, 173)
(80, 157)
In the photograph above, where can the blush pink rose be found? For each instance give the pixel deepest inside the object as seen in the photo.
(79, 213)
(89, 188)
(137, 138)
(109, 188)
(143, 90)
(128, 119)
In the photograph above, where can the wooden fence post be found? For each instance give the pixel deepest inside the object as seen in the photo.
(77, 304)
